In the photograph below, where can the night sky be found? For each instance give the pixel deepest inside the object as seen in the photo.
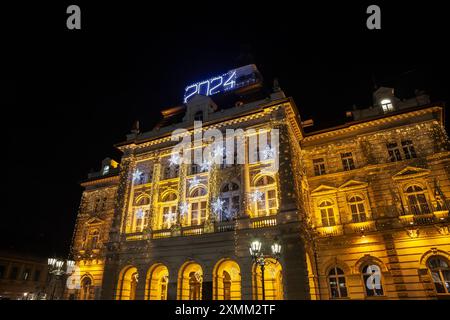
(73, 94)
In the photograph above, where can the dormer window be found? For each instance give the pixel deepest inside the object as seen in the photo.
(386, 105)
(105, 170)
(198, 116)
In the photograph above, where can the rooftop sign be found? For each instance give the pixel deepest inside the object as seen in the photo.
(229, 81)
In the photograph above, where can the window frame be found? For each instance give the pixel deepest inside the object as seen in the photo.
(364, 280)
(348, 161)
(442, 278)
(319, 164)
(326, 209)
(337, 277)
(357, 204)
(265, 188)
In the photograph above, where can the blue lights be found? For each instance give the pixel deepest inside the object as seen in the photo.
(227, 82)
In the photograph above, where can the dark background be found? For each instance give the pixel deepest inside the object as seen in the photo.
(71, 94)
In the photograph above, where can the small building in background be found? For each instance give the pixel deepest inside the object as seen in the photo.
(22, 277)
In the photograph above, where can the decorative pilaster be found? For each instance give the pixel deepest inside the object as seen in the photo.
(155, 195)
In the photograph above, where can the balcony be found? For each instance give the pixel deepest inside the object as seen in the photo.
(262, 222)
(416, 215)
(225, 226)
(360, 227)
(330, 231)
(192, 230)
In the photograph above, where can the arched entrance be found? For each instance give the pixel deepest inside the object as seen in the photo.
(190, 279)
(273, 281)
(227, 280)
(86, 289)
(157, 282)
(128, 279)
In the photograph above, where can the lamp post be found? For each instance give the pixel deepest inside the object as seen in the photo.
(262, 260)
(58, 268)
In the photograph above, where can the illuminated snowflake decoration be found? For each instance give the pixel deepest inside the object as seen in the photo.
(139, 214)
(268, 152)
(137, 175)
(217, 153)
(257, 196)
(228, 214)
(205, 166)
(195, 181)
(171, 217)
(198, 276)
(184, 208)
(174, 159)
(217, 206)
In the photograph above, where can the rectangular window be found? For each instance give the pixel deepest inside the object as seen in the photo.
(26, 274)
(408, 149)
(14, 273)
(347, 161)
(202, 212)
(2, 271)
(37, 275)
(327, 216)
(319, 166)
(394, 152)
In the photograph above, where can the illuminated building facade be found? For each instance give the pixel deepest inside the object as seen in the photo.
(360, 210)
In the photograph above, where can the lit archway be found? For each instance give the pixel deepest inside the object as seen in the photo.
(86, 288)
(227, 280)
(128, 279)
(157, 283)
(190, 279)
(273, 281)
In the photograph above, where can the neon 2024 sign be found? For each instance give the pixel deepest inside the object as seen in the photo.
(212, 86)
(231, 80)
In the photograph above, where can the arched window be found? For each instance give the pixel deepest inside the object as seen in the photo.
(126, 288)
(227, 281)
(195, 284)
(198, 192)
(93, 238)
(168, 210)
(190, 278)
(85, 290)
(327, 213)
(226, 286)
(267, 201)
(140, 214)
(357, 208)
(230, 195)
(157, 282)
(417, 200)
(264, 181)
(142, 201)
(197, 199)
(372, 280)
(273, 281)
(336, 281)
(440, 273)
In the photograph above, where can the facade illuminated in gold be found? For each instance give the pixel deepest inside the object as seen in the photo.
(361, 210)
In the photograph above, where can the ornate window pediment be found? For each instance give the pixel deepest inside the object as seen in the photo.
(352, 185)
(94, 221)
(323, 189)
(410, 172)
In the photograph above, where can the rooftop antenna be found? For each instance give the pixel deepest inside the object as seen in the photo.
(374, 82)
(135, 127)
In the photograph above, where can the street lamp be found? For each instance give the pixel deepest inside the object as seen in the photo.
(262, 260)
(59, 268)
